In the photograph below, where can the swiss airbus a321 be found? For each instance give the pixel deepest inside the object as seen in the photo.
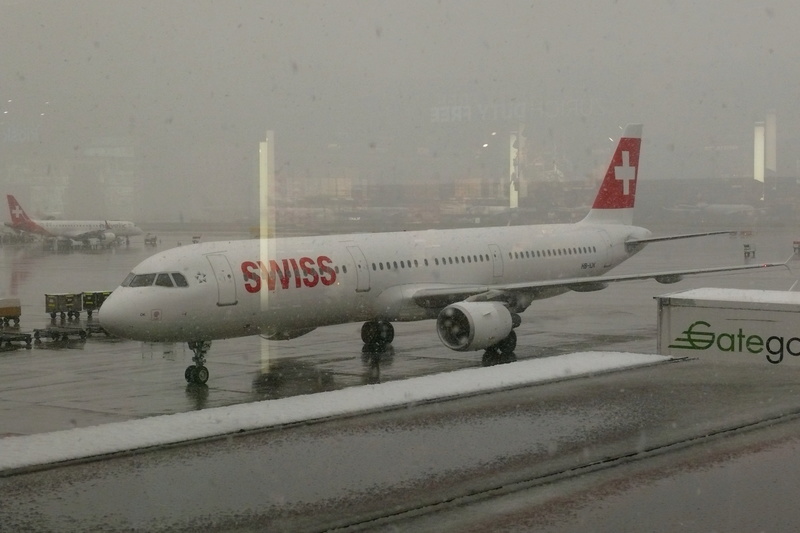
(78, 230)
(473, 282)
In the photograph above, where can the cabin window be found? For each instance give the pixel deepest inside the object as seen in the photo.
(425, 262)
(344, 269)
(436, 261)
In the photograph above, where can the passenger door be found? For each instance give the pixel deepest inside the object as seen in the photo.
(226, 283)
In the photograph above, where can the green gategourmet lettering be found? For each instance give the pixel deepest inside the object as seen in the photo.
(695, 340)
(699, 336)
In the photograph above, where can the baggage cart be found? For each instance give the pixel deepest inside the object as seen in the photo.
(64, 304)
(92, 300)
(10, 310)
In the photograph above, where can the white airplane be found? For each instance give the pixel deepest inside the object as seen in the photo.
(79, 230)
(474, 282)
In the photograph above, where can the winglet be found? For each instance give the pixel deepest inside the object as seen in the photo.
(615, 199)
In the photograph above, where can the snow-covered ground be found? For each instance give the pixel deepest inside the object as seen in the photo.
(53, 447)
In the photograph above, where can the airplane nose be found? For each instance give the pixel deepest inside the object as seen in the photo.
(113, 315)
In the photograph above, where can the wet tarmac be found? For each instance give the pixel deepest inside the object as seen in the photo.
(383, 470)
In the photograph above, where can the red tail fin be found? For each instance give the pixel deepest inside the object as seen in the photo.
(20, 220)
(615, 199)
(18, 215)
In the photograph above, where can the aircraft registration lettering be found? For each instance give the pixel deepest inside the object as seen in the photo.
(278, 273)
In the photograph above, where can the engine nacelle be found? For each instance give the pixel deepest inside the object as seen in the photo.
(473, 325)
(107, 236)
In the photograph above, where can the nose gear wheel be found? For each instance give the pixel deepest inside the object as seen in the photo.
(198, 374)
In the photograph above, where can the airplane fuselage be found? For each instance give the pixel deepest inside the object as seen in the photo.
(285, 287)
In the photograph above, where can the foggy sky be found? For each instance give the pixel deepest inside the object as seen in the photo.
(197, 83)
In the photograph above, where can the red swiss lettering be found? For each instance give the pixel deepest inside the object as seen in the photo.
(252, 280)
(303, 270)
(326, 273)
(310, 276)
(296, 271)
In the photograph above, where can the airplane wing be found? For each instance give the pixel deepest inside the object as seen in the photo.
(77, 235)
(442, 296)
(84, 235)
(681, 236)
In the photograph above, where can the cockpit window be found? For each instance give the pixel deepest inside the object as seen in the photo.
(142, 280)
(163, 280)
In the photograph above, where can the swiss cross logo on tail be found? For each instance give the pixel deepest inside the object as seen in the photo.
(626, 173)
(618, 190)
(17, 213)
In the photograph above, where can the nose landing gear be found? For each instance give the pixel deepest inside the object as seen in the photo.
(198, 373)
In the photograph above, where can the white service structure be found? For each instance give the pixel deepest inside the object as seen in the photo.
(736, 325)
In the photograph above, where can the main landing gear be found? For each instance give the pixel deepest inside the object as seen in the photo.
(502, 352)
(377, 333)
(198, 374)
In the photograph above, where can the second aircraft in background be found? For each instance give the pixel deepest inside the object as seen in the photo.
(77, 230)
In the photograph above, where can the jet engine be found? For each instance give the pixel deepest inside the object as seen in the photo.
(107, 236)
(474, 325)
